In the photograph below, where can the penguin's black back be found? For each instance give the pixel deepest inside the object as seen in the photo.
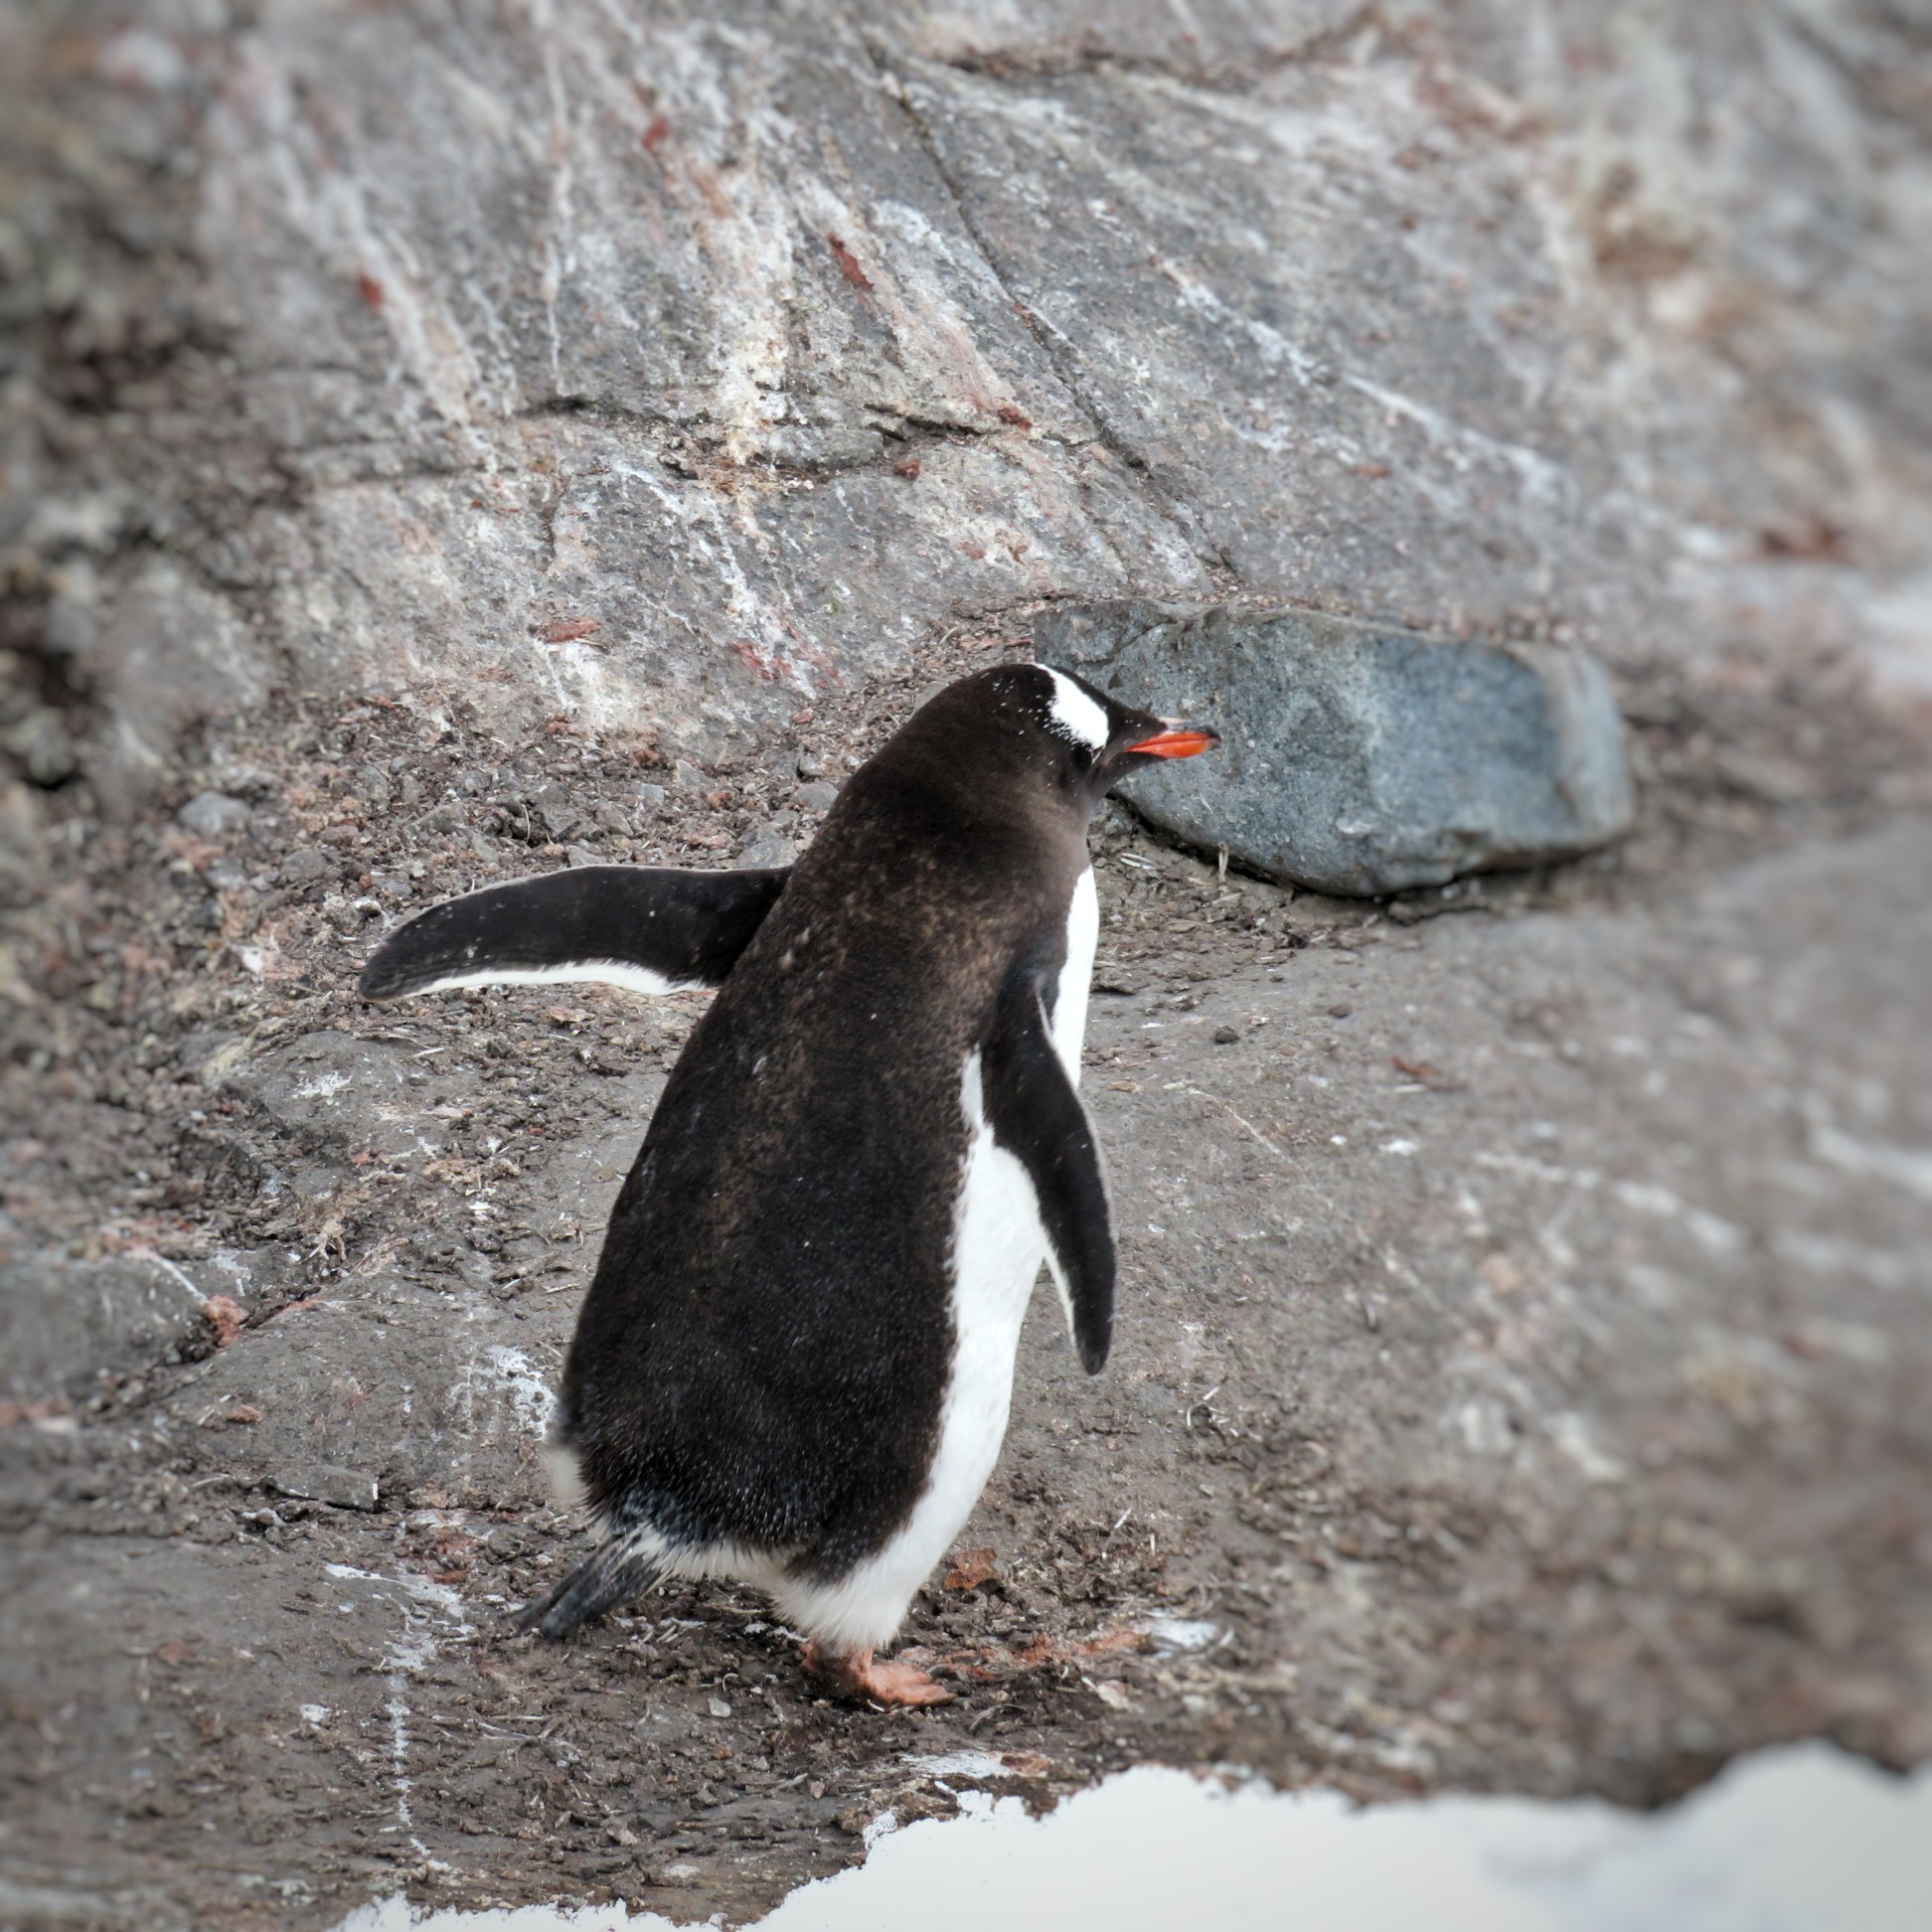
(764, 1353)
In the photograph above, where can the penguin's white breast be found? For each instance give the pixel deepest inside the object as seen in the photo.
(1076, 975)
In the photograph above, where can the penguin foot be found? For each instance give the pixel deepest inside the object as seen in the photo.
(861, 1679)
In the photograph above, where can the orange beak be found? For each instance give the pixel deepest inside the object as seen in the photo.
(1185, 742)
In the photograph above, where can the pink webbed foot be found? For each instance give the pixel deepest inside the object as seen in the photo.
(859, 1678)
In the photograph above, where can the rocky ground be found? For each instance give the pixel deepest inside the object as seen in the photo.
(442, 443)
(1522, 1379)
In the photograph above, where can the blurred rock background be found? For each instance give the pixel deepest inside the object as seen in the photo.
(666, 369)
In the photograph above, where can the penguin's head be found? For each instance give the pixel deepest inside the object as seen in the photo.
(1078, 739)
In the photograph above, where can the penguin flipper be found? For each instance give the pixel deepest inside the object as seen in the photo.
(616, 1574)
(648, 928)
(1036, 1116)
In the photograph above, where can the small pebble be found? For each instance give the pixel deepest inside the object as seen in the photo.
(308, 867)
(213, 815)
(1340, 1011)
(341, 1488)
(1225, 1035)
(767, 849)
(251, 781)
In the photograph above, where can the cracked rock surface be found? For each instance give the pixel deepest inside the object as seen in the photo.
(442, 443)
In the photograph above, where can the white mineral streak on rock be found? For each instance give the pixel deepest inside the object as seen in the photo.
(431, 1614)
(947, 376)
(1900, 646)
(1575, 1436)
(1908, 1168)
(326, 197)
(1462, 445)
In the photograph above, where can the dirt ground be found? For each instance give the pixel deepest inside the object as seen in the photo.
(1521, 1379)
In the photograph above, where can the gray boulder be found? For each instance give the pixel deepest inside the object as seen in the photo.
(1356, 757)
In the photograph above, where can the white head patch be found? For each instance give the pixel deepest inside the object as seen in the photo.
(1075, 716)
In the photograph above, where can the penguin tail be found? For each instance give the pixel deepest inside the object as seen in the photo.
(616, 1574)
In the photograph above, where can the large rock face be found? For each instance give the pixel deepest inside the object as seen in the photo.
(665, 371)
(1355, 759)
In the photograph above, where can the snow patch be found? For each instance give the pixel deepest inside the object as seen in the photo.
(1789, 1839)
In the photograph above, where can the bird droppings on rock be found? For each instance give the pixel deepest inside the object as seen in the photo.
(1361, 758)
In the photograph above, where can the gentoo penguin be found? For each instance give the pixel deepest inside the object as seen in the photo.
(794, 1363)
